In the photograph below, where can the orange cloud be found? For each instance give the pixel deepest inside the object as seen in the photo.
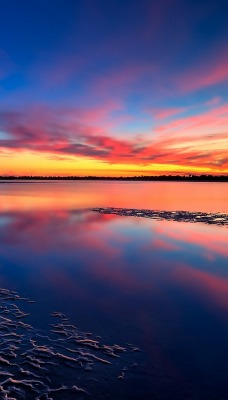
(190, 143)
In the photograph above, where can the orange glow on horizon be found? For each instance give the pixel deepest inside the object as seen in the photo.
(92, 142)
(30, 164)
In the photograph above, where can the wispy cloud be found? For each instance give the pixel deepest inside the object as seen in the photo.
(194, 141)
(208, 72)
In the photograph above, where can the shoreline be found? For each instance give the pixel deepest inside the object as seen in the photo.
(171, 178)
(218, 219)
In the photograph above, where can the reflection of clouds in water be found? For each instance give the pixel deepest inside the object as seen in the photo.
(211, 289)
(129, 276)
(91, 258)
(38, 365)
(96, 250)
(50, 196)
(203, 239)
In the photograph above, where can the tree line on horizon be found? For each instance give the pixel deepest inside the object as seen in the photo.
(195, 178)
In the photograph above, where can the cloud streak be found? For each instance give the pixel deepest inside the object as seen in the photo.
(204, 74)
(190, 141)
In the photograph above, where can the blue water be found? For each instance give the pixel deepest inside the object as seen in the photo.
(161, 286)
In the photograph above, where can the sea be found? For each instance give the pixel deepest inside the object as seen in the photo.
(113, 290)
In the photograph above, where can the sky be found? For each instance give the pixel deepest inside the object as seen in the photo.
(113, 87)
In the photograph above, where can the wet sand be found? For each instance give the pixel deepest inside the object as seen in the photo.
(61, 362)
(219, 219)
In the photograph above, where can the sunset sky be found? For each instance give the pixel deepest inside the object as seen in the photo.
(113, 87)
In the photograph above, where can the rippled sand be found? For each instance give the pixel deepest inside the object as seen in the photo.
(219, 219)
(62, 363)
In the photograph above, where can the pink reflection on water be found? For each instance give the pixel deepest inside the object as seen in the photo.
(99, 243)
(189, 196)
(133, 273)
(207, 287)
(83, 257)
(210, 241)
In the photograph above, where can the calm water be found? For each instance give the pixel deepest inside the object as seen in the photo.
(160, 286)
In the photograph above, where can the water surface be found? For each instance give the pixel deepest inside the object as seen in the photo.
(160, 286)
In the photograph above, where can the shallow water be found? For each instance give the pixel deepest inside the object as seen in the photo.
(157, 285)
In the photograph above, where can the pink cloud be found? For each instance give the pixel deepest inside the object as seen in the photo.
(207, 73)
(195, 141)
(216, 118)
(215, 101)
(163, 113)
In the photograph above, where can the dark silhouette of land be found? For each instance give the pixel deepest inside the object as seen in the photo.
(168, 178)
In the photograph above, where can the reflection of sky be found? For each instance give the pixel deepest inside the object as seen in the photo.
(189, 196)
(86, 248)
(162, 285)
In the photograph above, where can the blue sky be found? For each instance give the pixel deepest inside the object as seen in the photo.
(114, 76)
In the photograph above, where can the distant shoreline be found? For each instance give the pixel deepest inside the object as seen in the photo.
(161, 178)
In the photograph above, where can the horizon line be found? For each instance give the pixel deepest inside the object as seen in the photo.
(189, 177)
